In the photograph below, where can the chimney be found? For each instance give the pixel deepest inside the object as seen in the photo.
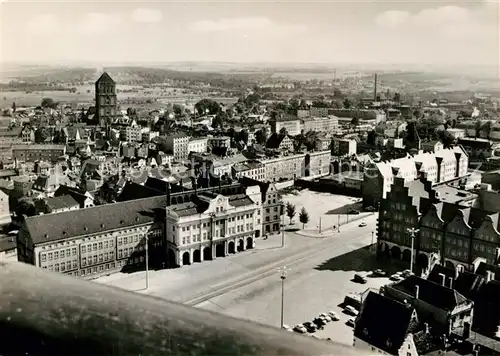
(417, 291)
(488, 276)
(375, 89)
(439, 160)
(426, 328)
(451, 282)
(443, 278)
(458, 155)
(168, 194)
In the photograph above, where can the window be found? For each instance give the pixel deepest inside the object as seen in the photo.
(100, 245)
(56, 255)
(43, 257)
(68, 252)
(111, 243)
(94, 246)
(84, 261)
(73, 251)
(94, 259)
(56, 267)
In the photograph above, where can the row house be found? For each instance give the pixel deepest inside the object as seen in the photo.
(296, 166)
(250, 169)
(212, 226)
(438, 167)
(292, 125)
(36, 152)
(321, 124)
(96, 241)
(453, 234)
(198, 144)
(178, 144)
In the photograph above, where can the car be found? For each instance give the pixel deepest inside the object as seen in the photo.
(320, 323)
(406, 273)
(326, 318)
(359, 279)
(363, 224)
(310, 327)
(333, 315)
(395, 277)
(351, 322)
(380, 273)
(286, 327)
(353, 212)
(299, 328)
(351, 310)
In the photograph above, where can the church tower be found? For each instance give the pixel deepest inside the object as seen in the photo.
(105, 100)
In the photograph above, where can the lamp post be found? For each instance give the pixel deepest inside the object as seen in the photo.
(147, 261)
(371, 246)
(283, 272)
(283, 231)
(412, 231)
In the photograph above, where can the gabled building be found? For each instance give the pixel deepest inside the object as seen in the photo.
(446, 310)
(383, 324)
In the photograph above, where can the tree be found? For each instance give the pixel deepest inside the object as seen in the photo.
(13, 107)
(218, 121)
(207, 106)
(370, 139)
(242, 135)
(487, 128)
(290, 211)
(261, 136)
(251, 100)
(178, 110)
(48, 103)
(25, 207)
(477, 128)
(346, 103)
(337, 93)
(303, 217)
(41, 135)
(355, 121)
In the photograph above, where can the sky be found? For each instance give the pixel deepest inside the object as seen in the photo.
(350, 31)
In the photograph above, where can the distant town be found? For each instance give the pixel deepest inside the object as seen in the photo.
(375, 208)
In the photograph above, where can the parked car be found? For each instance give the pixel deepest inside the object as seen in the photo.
(395, 278)
(325, 317)
(363, 224)
(351, 322)
(380, 273)
(359, 279)
(333, 315)
(300, 329)
(350, 310)
(310, 327)
(287, 328)
(354, 212)
(320, 323)
(406, 273)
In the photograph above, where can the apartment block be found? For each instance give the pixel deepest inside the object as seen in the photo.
(296, 166)
(32, 153)
(198, 144)
(178, 145)
(321, 124)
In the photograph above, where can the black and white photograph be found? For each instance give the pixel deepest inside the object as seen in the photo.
(288, 177)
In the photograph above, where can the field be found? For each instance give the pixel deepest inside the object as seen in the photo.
(85, 95)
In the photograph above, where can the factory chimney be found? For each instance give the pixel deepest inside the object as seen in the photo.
(375, 89)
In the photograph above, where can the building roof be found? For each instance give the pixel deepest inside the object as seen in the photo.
(38, 147)
(105, 78)
(12, 132)
(78, 195)
(431, 293)
(98, 219)
(436, 270)
(7, 243)
(383, 322)
(61, 202)
(426, 342)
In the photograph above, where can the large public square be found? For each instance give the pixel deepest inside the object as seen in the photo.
(247, 285)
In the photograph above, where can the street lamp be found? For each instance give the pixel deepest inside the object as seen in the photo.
(412, 231)
(283, 231)
(283, 272)
(371, 246)
(147, 261)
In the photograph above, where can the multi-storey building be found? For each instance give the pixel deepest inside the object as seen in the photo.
(5, 217)
(318, 112)
(321, 124)
(219, 142)
(280, 142)
(28, 135)
(32, 153)
(250, 169)
(178, 145)
(344, 147)
(451, 231)
(95, 241)
(11, 136)
(105, 100)
(147, 136)
(438, 167)
(291, 124)
(132, 133)
(211, 226)
(297, 166)
(198, 144)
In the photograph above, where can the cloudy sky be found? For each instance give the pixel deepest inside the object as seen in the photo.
(328, 31)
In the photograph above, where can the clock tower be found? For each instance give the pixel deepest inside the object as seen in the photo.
(105, 100)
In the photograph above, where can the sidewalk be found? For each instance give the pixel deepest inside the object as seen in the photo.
(330, 231)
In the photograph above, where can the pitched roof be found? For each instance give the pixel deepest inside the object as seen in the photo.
(53, 227)
(395, 317)
(61, 202)
(105, 78)
(469, 284)
(436, 270)
(427, 342)
(431, 293)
